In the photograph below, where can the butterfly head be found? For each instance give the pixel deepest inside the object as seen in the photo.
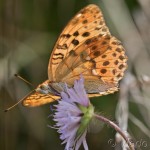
(44, 88)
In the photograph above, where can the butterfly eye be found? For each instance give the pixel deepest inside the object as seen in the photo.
(41, 87)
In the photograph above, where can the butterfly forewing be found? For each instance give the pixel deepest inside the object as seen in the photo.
(86, 24)
(37, 99)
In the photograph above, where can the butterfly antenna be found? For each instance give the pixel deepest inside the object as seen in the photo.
(18, 101)
(18, 76)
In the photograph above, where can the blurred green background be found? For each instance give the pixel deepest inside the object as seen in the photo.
(28, 32)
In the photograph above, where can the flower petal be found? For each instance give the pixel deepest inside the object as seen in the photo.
(80, 141)
(68, 115)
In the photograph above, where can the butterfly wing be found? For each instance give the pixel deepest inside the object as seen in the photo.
(102, 62)
(37, 99)
(86, 47)
(87, 23)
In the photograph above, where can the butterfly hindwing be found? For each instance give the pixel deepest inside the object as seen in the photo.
(102, 63)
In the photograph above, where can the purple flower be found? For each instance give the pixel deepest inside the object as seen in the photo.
(74, 113)
(72, 116)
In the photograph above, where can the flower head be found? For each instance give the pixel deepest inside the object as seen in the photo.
(72, 116)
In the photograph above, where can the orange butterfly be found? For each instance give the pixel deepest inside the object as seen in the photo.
(84, 47)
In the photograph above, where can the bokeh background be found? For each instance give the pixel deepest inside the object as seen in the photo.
(28, 31)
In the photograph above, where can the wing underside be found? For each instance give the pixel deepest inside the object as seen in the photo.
(37, 99)
(85, 47)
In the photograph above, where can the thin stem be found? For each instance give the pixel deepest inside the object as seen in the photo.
(113, 125)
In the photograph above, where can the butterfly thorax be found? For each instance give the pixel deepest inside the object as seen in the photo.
(49, 87)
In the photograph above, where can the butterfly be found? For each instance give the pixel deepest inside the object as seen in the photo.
(85, 47)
